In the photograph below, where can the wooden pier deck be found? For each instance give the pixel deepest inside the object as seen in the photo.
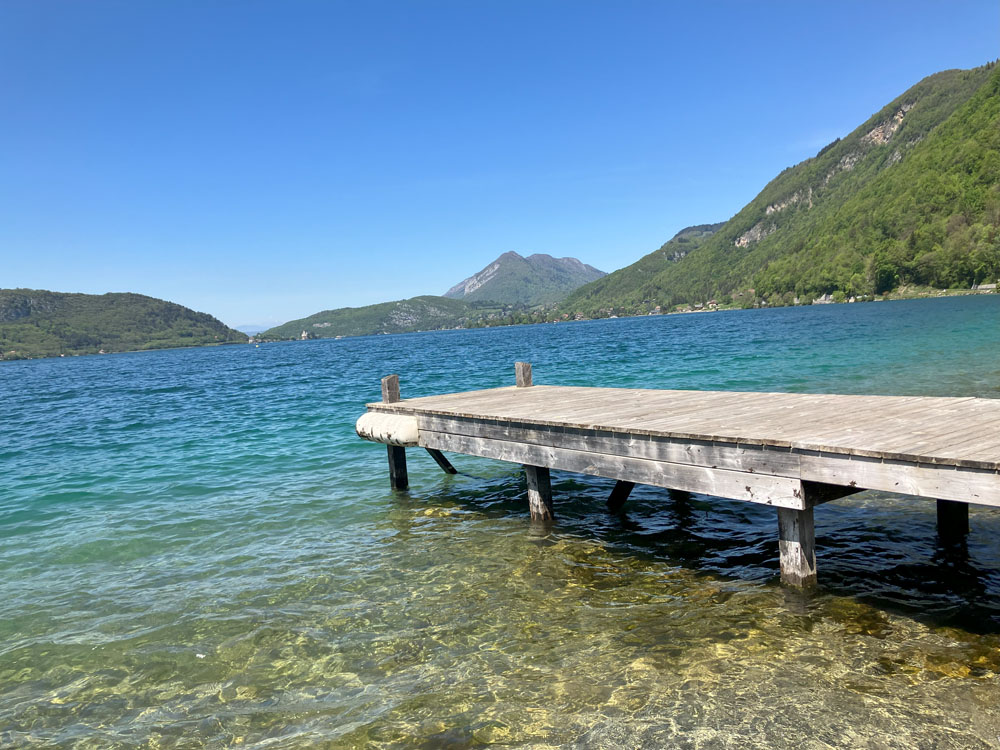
(791, 451)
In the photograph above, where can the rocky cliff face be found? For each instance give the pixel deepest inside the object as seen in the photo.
(882, 132)
(756, 233)
(467, 286)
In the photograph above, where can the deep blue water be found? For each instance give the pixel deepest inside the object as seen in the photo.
(197, 551)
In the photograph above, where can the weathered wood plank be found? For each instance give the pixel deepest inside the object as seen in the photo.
(872, 429)
(925, 480)
(966, 440)
(753, 459)
(757, 488)
(390, 389)
(911, 428)
(522, 374)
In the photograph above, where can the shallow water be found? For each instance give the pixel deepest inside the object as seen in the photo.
(197, 551)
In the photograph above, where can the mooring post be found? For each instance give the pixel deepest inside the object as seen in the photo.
(797, 546)
(398, 479)
(952, 521)
(537, 477)
(618, 496)
(522, 374)
(539, 492)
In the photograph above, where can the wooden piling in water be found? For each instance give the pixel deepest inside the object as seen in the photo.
(797, 546)
(442, 461)
(539, 492)
(398, 478)
(619, 495)
(952, 521)
(537, 478)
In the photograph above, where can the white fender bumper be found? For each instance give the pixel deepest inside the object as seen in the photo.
(391, 429)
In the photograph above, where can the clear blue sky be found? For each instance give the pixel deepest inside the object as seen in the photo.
(262, 161)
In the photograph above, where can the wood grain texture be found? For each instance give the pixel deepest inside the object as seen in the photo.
(522, 374)
(539, 492)
(750, 458)
(390, 389)
(921, 430)
(979, 486)
(737, 485)
(398, 477)
(797, 546)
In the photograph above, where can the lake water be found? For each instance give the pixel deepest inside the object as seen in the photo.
(197, 551)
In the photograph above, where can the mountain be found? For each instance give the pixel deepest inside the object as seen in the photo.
(425, 313)
(38, 323)
(536, 280)
(910, 197)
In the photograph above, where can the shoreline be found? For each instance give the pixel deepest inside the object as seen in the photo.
(895, 296)
(124, 351)
(891, 297)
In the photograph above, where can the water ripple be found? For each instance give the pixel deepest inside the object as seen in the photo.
(196, 551)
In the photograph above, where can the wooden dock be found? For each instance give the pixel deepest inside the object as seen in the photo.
(791, 451)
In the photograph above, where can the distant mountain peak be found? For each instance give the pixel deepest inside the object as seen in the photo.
(533, 280)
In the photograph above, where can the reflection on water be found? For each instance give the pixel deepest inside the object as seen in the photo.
(219, 563)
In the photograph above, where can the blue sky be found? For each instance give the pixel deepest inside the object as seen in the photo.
(262, 161)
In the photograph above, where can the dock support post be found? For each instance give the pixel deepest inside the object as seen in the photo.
(797, 546)
(441, 461)
(398, 478)
(952, 521)
(522, 374)
(618, 496)
(539, 492)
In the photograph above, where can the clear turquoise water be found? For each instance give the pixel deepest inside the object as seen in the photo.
(197, 551)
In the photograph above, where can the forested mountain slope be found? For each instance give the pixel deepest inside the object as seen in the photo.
(634, 287)
(912, 196)
(426, 313)
(39, 323)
